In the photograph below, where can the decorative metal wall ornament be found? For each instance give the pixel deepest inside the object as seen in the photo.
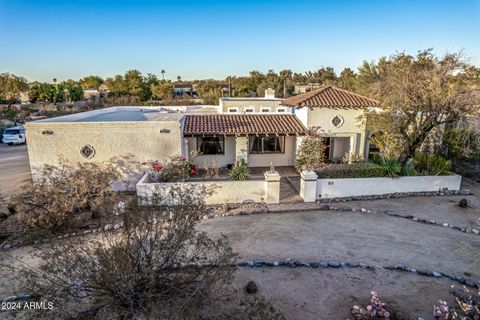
(87, 151)
(337, 121)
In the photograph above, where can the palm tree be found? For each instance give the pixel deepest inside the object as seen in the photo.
(179, 79)
(163, 74)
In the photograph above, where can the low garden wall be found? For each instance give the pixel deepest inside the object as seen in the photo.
(350, 187)
(215, 192)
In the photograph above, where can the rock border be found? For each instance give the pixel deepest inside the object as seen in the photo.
(396, 195)
(294, 263)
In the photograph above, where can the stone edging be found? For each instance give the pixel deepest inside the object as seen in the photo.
(293, 263)
(409, 217)
(442, 192)
(289, 262)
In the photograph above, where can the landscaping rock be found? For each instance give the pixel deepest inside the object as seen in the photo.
(436, 274)
(117, 226)
(463, 203)
(251, 287)
(108, 227)
(323, 264)
(333, 264)
(314, 265)
(225, 207)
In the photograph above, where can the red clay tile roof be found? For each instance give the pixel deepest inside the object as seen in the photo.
(330, 97)
(241, 124)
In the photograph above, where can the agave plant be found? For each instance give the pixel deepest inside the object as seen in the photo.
(391, 167)
(240, 171)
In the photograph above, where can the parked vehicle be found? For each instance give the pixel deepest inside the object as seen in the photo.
(14, 135)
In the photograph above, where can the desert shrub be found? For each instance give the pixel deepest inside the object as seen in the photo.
(467, 306)
(462, 139)
(408, 170)
(174, 169)
(212, 171)
(391, 167)
(354, 170)
(375, 310)
(311, 153)
(150, 269)
(432, 165)
(240, 171)
(65, 196)
(352, 157)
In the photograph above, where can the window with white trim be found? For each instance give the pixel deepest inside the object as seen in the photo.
(233, 110)
(249, 110)
(210, 145)
(281, 110)
(264, 110)
(267, 144)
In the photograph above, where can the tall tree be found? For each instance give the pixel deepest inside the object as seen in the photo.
(162, 90)
(91, 82)
(11, 86)
(418, 94)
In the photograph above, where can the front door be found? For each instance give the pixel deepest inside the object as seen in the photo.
(326, 152)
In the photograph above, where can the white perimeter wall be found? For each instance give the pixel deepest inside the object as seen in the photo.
(218, 192)
(334, 188)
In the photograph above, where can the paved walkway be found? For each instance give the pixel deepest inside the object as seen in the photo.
(288, 194)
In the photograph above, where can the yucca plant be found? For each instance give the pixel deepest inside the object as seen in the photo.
(240, 171)
(391, 167)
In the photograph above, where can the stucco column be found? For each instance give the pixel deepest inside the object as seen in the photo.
(241, 148)
(308, 186)
(353, 145)
(185, 149)
(272, 188)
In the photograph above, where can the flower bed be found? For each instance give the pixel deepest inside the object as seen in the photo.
(215, 192)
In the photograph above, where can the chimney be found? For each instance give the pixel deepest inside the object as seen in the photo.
(269, 93)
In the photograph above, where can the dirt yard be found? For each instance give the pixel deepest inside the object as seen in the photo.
(302, 293)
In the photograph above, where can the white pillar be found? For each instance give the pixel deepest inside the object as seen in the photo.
(272, 188)
(185, 149)
(308, 186)
(241, 148)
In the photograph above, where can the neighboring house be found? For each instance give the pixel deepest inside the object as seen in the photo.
(304, 88)
(91, 94)
(184, 89)
(214, 136)
(266, 104)
(337, 115)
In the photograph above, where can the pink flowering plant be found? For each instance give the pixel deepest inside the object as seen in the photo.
(174, 169)
(467, 305)
(375, 310)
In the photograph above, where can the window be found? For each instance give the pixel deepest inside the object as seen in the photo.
(233, 110)
(210, 145)
(249, 110)
(270, 144)
(281, 110)
(265, 110)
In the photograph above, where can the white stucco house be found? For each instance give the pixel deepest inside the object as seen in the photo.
(260, 131)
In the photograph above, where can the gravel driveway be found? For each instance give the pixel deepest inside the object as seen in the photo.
(14, 168)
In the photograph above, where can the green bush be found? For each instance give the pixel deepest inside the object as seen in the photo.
(354, 170)
(391, 167)
(240, 171)
(432, 165)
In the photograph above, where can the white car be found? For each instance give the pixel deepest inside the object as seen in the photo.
(14, 135)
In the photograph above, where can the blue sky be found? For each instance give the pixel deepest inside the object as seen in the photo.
(42, 40)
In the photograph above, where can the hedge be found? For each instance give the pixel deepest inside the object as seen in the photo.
(354, 170)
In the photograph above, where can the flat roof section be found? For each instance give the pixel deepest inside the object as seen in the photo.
(119, 114)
